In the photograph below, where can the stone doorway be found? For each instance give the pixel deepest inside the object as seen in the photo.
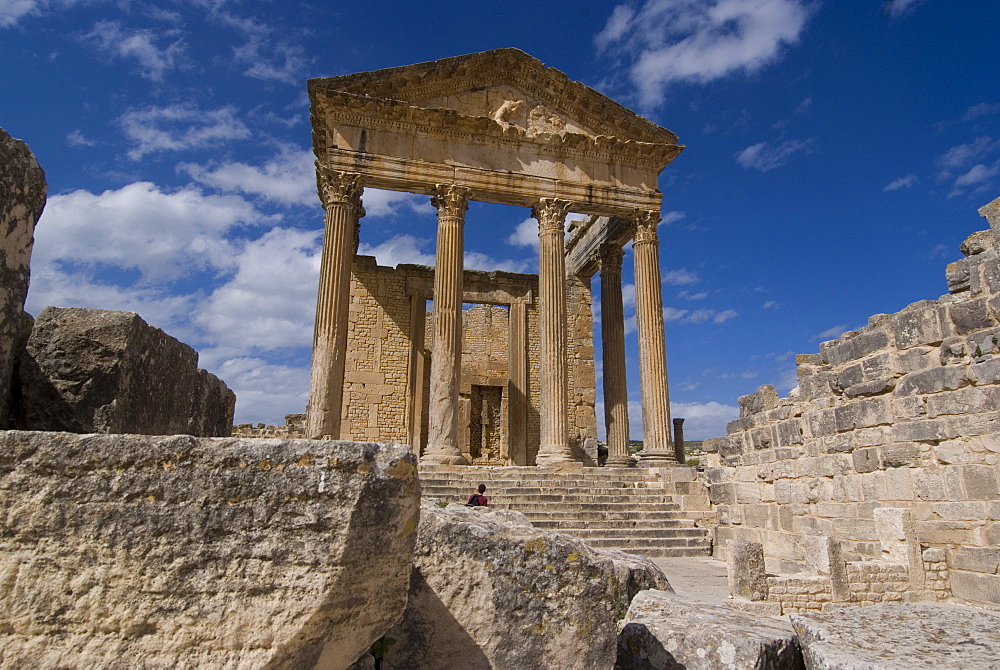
(486, 430)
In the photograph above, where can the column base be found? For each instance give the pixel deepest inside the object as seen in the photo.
(657, 458)
(619, 462)
(439, 458)
(557, 461)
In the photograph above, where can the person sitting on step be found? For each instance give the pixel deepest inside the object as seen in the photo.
(478, 499)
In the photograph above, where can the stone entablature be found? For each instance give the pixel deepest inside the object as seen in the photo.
(904, 413)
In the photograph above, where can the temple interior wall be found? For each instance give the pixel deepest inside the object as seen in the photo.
(904, 413)
(377, 386)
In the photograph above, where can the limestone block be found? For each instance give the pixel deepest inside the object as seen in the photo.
(129, 551)
(821, 422)
(931, 430)
(975, 587)
(970, 316)
(862, 414)
(722, 494)
(761, 400)
(488, 590)
(663, 631)
(957, 274)
(977, 243)
(855, 348)
(895, 636)
(918, 325)
(745, 568)
(964, 401)
(22, 197)
(866, 460)
(899, 455)
(991, 212)
(101, 371)
(917, 359)
(872, 388)
(980, 482)
(935, 380)
(985, 372)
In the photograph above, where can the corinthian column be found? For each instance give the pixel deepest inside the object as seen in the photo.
(657, 447)
(341, 196)
(446, 358)
(613, 346)
(551, 214)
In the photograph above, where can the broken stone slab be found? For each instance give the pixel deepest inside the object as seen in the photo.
(103, 371)
(22, 198)
(664, 632)
(899, 636)
(123, 551)
(489, 590)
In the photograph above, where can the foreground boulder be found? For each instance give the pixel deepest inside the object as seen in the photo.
(489, 590)
(663, 632)
(900, 636)
(124, 551)
(22, 197)
(102, 371)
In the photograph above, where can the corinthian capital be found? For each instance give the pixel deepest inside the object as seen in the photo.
(551, 215)
(451, 200)
(337, 187)
(645, 221)
(611, 256)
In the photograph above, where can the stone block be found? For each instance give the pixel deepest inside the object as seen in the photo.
(980, 482)
(957, 274)
(866, 460)
(862, 414)
(762, 438)
(761, 400)
(963, 401)
(899, 485)
(900, 455)
(954, 350)
(970, 316)
(935, 380)
(821, 422)
(944, 532)
(662, 631)
(489, 590)
(722, 494)
(101, 371)
(917, 359)
(872, 388)
(919, 326)
(745, 567)
(930, 430)
(854, 348)
(975, 587)
(732, 445)
(125, 550)
(789, 432)
(896, 635)
(909, 407)
(985, 372)
(22, 198)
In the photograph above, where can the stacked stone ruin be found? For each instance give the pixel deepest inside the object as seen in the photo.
(876, 479)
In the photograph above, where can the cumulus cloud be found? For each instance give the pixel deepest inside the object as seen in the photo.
(765, 157)
(681, 277)
(140, 46)
(261, 387)
(76, 139)
(698, 315)
(525, 234)
(963, 164)
(379, 203)
(700, 41)
(982, 109)
(704, 420)
(178, 127)
(288, 178)
(903, 182)
(963, 155)
(687, 295)
(11, 11)
(400, 249)
(160, 234)
(832, 333)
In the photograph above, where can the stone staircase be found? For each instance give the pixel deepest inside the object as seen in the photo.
(655, 512)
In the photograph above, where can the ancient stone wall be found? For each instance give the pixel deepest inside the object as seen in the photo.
(22, 197)
(380, 336)
(102, 371)
(905, 414)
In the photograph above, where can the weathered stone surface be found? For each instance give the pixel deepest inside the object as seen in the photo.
(100, 371)
(123, 551)
(22, 197)
(490, 590)
(745, 564)
(663, 632)
(898, 636)
(761, 400)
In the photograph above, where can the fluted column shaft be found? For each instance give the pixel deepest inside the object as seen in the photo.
(613, 347)
(551, 215)
(446, 358)
(341, 196)
(657, 446)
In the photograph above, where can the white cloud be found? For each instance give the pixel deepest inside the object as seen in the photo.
(963, 155)
(698, 315)
(681, 277)
(525, 234)
(978, 174)
(704, 420)
(379, 203)
(399, 249)
(270, 301)
(178, 127)
(261, 387)
(687, 295)
(896, 8)
(903, 182)
(137, 45)
(804, 105)
(700, 41)
(832, 333)
(288, 178)
(672, 217)
(764, 157)
(628, 296)
(475, 260)
(770, 304)
(673, 314)
(11, 11)
(982, 109)
(76, 139)
(162, 235)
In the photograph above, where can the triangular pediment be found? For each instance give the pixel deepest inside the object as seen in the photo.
(506, 86)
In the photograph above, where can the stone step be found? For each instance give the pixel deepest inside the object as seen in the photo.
(430, 488)
(671, 552)
(625, 524)
(640, 544)
(528, 482)
(625, 515)
(543, 498)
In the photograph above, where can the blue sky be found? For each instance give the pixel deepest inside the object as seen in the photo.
(836, 154)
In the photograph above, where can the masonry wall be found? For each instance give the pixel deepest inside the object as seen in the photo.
(903, 413)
